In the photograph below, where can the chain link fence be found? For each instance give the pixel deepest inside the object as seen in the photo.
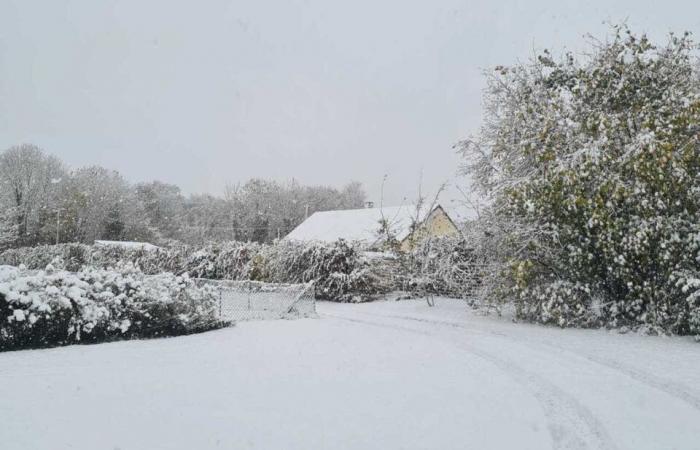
(254, 300)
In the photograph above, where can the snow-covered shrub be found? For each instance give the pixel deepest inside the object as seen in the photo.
(593, 168)
(337, 269)
(689, 285)
(54, 307)
(226, 261)
(560, 302)
(71, 256)
(445, 265)
(7, 272)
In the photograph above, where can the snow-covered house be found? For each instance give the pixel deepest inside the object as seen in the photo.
(371, 226)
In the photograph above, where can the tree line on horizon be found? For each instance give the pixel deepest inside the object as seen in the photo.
(42, 201)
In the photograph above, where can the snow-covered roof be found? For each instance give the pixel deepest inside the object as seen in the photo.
(361, 225)
(127, 244)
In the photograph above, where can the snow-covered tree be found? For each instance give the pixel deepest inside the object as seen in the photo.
(90, 203)
(593, 169)
(97, 200)
(262, 210)
(27, 183)
(163, 206)
(9, 229)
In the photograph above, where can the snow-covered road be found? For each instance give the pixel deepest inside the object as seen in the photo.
(383, 375)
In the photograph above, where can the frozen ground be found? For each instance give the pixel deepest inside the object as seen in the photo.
(374, 376)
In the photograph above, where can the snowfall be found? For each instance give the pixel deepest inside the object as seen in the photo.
(383, 375)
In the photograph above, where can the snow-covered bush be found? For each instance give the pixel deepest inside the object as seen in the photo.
(337, 269)
(560, 302)
(226, 261)
(54, 307)
(72, 256)
(445, 265)
(593, 168)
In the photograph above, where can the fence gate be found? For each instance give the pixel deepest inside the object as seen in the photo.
(254, 300)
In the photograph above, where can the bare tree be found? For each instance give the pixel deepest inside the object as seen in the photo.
(421, 217)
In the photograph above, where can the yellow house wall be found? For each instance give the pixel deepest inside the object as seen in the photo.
(437, 225)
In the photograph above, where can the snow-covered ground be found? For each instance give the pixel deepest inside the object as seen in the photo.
(371, 376)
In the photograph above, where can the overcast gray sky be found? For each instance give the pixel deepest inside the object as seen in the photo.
(205, 93)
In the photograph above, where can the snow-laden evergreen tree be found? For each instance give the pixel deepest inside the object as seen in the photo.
(593, 169)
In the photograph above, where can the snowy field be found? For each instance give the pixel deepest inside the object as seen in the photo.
(383, 375)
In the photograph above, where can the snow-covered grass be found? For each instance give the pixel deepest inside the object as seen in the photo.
(379, 375)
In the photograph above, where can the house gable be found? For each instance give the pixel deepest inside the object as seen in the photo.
(437, 224)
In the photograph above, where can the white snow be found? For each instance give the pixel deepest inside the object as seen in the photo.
(8, 272)
(18, 315)
(382, 375)
(356, 225)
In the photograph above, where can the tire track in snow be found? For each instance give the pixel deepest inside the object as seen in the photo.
(676, 390)
(570, 424)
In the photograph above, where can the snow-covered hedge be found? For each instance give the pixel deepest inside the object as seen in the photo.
(339, 271)
(55, 307)
(73, 256)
